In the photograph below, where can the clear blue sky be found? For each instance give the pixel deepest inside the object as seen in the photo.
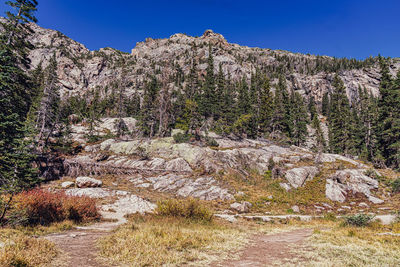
(341, 28)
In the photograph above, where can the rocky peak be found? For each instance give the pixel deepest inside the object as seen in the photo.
(210, 35)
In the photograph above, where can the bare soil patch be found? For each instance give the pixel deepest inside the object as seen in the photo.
(267, 250)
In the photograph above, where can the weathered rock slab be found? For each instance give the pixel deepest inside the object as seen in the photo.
(84, 181)
(298, 176)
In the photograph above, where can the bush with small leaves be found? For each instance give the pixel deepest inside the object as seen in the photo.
(188, 208)
(211, 142)
(396, 186)
(359, 220)
(182, 138)
(44, 207)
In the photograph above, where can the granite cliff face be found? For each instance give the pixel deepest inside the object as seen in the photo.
(80, 69)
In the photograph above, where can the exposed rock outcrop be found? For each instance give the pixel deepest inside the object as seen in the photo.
(174, 168)
(353, 180)
(205, 188)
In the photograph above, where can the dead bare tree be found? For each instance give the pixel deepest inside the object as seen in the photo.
(48, 111)
(164, 104)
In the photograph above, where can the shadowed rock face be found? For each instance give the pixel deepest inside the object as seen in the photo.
(80, 69)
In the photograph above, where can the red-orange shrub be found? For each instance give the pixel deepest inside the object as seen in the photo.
(44, 207)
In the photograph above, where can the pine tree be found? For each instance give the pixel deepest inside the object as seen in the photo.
(266, 108)
(17, 28)
(219, 93)
(325, 104)
(282, 119)
(208, 98)
(132, 105)
(389, 117)
(190, 120)
(390, 122)
(312, 108)
(340, 120)
(300, 120)
(16, 172)
(192, 85)
(243, 100)
(320, 140)
(228, 103)
(147, 118)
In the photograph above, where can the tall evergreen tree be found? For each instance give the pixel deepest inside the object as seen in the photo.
(340, 120)
(312, 108)
(243, 100)
(325, 104)
(208, 98)
(300, 120)
(282, 120)
(389, 118)
(266, 108)
(147, 118)
(16, 172)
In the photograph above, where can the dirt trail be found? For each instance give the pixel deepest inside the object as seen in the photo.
(267, 250)
(78, 247)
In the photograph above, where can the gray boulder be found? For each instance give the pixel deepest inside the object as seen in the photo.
(242, 207)
(67, 184)
(295, 208)
(84, 181)
(298, 176)
(335, 191)
(350, 180)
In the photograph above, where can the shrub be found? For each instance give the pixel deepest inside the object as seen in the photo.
(271, 164)
(396, 186)
(211, 142)
(373, 174)
(330, 217)
(189, 209)
(142, 153)
(359, 220)
(80, 209)
(182, 138)
(44, 207)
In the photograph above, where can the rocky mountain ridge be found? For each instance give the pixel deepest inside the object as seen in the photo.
(81, 70)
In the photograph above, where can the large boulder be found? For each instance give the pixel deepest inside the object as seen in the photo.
(335, 191)
(84, 181)
(67, 184)
(298, 176)
(353, 180)
(242, 207)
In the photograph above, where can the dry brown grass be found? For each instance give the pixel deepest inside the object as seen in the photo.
(333, 244)
(155, 241)
(21, 250)
(258, 188)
